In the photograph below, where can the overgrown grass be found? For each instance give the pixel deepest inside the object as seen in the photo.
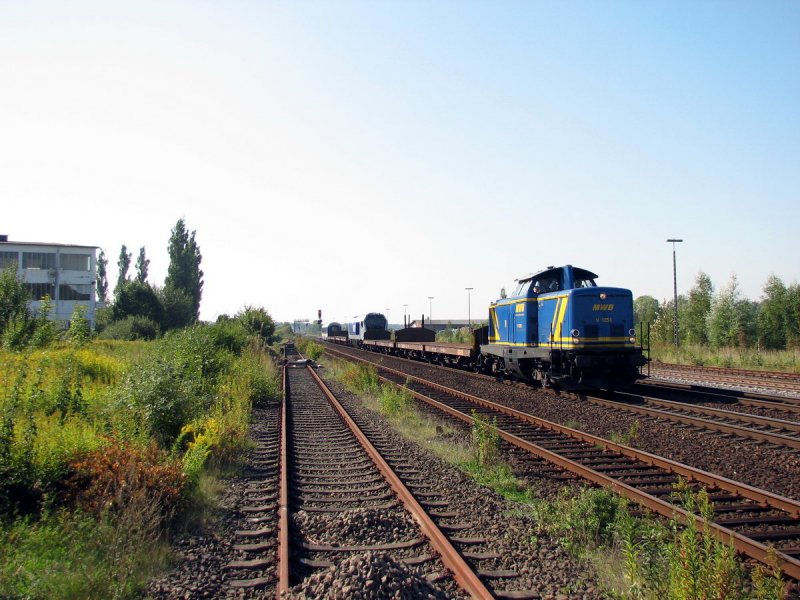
(309, 348)
(436, 437)
(72, 555)
(485, 440)
(105, 446)
(740, 358)
(627, 438)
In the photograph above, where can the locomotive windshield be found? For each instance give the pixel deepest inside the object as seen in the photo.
(556, 279)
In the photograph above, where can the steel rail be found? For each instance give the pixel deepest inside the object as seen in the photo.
(726, 414)
(462, 572)
(766, 436)
(659, 366)
(750, 547)
(283, 509)
(788, 403)
(728, 379)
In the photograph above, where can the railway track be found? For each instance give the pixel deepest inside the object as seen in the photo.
(700, 394)
(789, 383)
(254, 543)
(749, 516)
(344, 483)
(782, 433)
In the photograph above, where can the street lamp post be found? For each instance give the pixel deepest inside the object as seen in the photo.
(404, 315)
(388, 322)
(675, 288)
(469, 311)
(430, 308)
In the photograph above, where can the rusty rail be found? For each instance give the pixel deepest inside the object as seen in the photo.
(463, 574)
(747, 432)
(763, 400)
(283, 510)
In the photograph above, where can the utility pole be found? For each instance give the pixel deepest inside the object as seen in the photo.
(675, 287)
(469, 308)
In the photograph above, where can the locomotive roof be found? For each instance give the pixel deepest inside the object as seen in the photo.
(577, 272)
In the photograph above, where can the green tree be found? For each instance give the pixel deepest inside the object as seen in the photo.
(124, 264)
(663, 328)
(748, 322)
(102, 277)
(178, 308)
(142, 265)
(732, 320)
(793, 316)
(14, 298)
(256, 321)
(694, 320)
(184, 265)
(137, 299)
(773, 315)
(645, 310)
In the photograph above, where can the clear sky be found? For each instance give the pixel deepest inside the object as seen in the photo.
(358, 156)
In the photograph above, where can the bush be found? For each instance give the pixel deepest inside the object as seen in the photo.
(79, 330)
(360, 379)
(310, 349)
(114, 476)
(257, 321)
(103, 317)
(131, 328)
(229, 335)
(178, 308)
(174, 383)
(393, 401)
(137, 299)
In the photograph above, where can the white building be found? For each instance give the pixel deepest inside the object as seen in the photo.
(65, 272)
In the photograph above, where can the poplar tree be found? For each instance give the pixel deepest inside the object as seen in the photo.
(124, 264)
(142, 265)
(102, 277)
(184, 272)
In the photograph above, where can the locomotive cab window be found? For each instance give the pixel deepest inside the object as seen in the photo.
(522, 288)
(549, 284)
(583, 278)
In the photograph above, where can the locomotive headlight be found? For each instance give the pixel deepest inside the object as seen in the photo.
(631, 332)
(575, 333)
(632, 340)
(603, 296)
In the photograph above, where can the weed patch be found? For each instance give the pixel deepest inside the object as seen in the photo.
(485, 440)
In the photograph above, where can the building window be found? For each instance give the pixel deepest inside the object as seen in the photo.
(74, 291)
(76, 262)
(8, 258)
(38, 260)
(39, 290)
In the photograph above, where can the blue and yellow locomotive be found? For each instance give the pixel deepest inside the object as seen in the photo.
(559, 327)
